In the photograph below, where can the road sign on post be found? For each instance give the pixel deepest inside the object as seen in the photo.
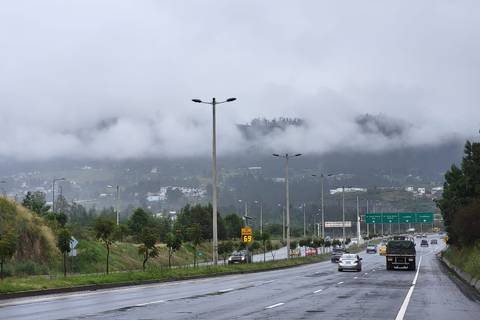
(337, 224)
(390, 218)
(247, 235)
(73, 245)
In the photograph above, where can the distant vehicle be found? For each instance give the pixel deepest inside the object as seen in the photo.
(424, 235)
(350, 261)
(401, 253)
(418, 236)
(354, 241)
(371, 248)
(411, 230)
(434, 241)
(337, 253)
(241, 256)
(424, 243)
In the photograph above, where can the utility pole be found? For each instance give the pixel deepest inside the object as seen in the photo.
(304, 222)
(286, 156)
(359, 231)
(343, 215)
(53, 191)
(368, 231)
(214, 174)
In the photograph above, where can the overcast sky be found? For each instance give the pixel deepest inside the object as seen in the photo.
(115, 78)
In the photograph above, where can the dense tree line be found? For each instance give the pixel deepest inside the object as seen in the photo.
(460, 203)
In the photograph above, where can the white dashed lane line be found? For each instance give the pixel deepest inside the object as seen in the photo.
(317, 291)
(340, 282)
(275, 305)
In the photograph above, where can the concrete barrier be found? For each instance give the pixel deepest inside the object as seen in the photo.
(468, 278)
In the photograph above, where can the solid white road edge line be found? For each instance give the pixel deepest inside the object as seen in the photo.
(403, 308)
(275, 305)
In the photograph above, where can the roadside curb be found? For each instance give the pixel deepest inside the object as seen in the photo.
(94, 287)
(467, 278)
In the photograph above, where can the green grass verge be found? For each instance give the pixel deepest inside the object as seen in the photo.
(467, 259)
(11, 285)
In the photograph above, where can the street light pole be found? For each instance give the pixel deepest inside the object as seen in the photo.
(343, 214)
(261, 215)
(304, 222)
(214, 174)
(53, 191)
(286, 156)
(117, 198)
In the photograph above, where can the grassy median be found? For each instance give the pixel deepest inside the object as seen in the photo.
(11, 285)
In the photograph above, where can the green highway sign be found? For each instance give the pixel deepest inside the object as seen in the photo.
(390, 217)
(407, 217)
(373, 218)
(398, 217)
(425, 217)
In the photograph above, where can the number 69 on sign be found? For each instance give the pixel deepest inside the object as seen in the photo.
(247, 239)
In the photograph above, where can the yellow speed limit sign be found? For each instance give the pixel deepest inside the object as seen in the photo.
(247, 235)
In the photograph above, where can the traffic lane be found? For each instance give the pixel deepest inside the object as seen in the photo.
(59, 306)
(439, 294)
(71, 305)
(272, 300)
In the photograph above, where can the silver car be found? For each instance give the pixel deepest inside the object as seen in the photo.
(350, 261)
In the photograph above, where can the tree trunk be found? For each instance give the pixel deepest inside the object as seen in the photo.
(194, 256)
(264, 252)
(169, 259)
(145, 258)
(108, 256)
(65, 264)
(1, 269)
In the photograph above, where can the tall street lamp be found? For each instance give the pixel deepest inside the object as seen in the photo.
(213, 103)
(261, 215)
(322, 180)
(117, 198)
(53, 191)
(286, 156)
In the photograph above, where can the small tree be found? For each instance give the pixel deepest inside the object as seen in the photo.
(63, 244)
(174, 243)
(36, 202)
(272, 248)
(254, 246)
(8, 246)
(148, 248)
(225, 248)
(194, 235)
(104, 230)
(264, 237)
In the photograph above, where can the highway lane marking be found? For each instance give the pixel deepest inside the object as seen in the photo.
(340, 282)
(365, 273)
(225, 290)
(403, 308)
(149, 303)
(317, 291)
(355, 277)
(275, 305)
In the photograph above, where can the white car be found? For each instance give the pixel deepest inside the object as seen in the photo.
(349, 261)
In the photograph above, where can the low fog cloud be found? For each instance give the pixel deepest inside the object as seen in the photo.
(115, 79)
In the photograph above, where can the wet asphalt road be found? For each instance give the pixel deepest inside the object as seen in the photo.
(315, 291)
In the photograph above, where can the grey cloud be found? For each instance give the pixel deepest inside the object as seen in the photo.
(96, 79)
